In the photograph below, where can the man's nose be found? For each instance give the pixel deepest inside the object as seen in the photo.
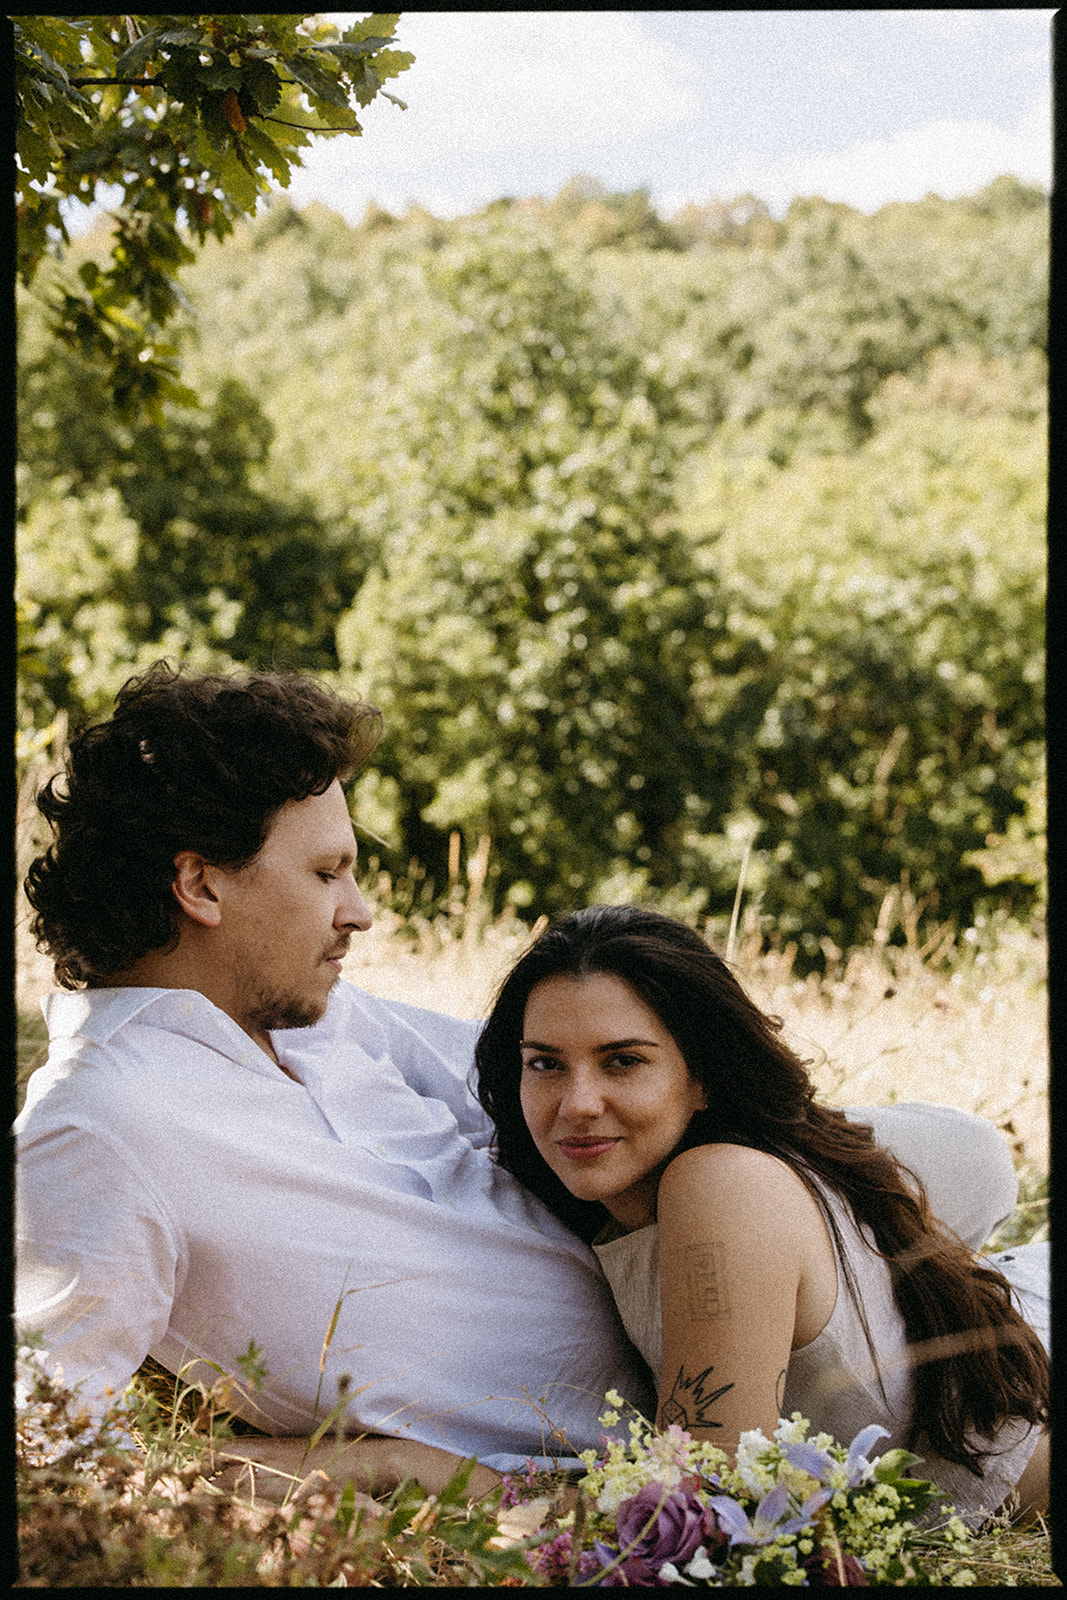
(354, 911)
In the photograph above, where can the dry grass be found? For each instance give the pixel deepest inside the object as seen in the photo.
(968, 1030)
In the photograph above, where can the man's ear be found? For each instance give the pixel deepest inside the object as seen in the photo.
(193, 890)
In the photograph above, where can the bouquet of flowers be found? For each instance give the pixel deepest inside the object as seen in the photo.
(665, 1509)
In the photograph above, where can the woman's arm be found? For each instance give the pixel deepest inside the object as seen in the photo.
(739, 1235)
(275, 1468)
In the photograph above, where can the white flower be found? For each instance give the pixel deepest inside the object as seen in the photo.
(753, 1473)
(795, 1430)
(700, 1566)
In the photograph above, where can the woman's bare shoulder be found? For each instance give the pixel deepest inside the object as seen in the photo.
(735, 1169)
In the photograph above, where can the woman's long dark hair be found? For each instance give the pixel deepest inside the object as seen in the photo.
(976, 1362)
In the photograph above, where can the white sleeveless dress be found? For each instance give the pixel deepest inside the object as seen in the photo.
(832, 1381)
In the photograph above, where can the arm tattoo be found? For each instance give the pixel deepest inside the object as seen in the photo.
(693, 1391)
(706, 1282)
(779, 1391)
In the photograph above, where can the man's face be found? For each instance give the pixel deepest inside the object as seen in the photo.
(288, 916)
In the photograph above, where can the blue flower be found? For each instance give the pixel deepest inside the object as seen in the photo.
(766, 1522)
(819, 1464)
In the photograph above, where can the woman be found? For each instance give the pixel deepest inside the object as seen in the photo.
(766, 1255)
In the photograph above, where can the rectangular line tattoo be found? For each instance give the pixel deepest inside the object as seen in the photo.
(706, 1282)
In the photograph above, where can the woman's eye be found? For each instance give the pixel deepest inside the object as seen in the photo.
(623, 1062)
(328, 877)
(540, 1064)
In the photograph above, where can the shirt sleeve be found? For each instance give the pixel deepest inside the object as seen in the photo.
(962, 1161)
(434, 1054)
(96, 1261)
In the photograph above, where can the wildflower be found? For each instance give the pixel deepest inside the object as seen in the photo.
(660, 1524)
(796, 1429)
(748, 1570)
(766, 1524)
(701, 1567)
(754, 1472)
(826, 1468)
(555, 1560)
(668, 1456)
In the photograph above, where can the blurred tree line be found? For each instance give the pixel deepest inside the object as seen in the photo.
(654, 539)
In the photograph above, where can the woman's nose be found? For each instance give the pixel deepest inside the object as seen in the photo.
(582, 1096)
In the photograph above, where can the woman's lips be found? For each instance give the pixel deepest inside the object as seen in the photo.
(586, 1149)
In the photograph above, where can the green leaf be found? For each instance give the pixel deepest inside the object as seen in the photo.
(35, 154)
(266, 151)
(122, 319)
(893, 1464)
(329, 1421)
(346, 1508)
(263, 83)
(343, 48)
(406, 1499)
(237, 179)
(132, 62)
(315, 81)
(391, 63)
(216, 79)
(379, 22)
(182, 36)
(454, 1492)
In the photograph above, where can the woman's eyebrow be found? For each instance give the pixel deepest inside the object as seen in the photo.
(624, 1044)
(615, 1044)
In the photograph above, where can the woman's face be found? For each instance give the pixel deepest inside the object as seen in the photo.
(605, 1091)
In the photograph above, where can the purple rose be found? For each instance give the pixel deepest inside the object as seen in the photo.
(656, 1525)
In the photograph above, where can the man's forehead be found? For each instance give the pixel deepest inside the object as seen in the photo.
(320, 822)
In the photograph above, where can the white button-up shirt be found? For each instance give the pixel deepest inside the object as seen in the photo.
(180, 1196)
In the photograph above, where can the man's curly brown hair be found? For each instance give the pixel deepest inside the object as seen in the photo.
(198, 762)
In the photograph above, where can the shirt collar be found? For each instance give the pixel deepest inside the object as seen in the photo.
(95, 1014)
(98, 1014)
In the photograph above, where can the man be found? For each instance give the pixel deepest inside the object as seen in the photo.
(234, 1161)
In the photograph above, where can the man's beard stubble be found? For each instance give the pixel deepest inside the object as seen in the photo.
(277, 1008)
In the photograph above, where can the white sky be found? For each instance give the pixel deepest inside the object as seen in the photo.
(860, 106)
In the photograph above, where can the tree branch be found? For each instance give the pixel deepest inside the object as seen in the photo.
(125, 83)
(303, 126)
(153, 83)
